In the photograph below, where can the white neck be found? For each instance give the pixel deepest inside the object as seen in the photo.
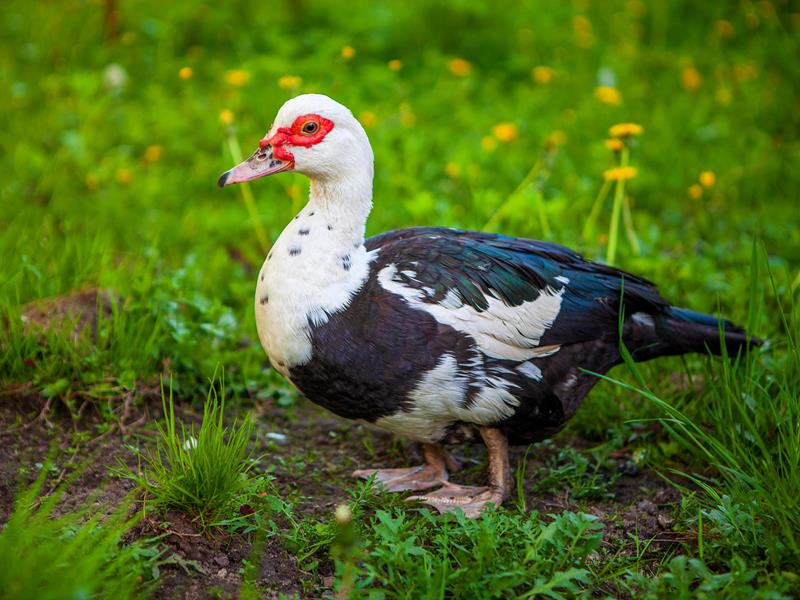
(344, 202)
(315, 266)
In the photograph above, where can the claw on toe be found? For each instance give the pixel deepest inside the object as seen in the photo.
(402, 480)
(471, 500)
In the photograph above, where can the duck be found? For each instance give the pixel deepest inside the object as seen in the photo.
(439, 335)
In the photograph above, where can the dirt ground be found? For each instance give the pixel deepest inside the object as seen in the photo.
(314, 460)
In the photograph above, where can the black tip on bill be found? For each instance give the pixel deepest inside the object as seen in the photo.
(223, 178)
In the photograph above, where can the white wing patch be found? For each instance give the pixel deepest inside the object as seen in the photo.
(437, 402)
(501, 331)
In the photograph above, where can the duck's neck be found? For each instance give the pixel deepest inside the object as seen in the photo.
(314, 268)
(343, 205)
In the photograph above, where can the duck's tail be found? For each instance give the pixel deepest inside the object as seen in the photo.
(681, 331)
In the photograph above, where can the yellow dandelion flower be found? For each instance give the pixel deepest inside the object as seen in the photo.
(153, 153)
(608, 95)
(724, 29)
(619, 174)
(637, 8)
(348, 52)
(395, 65)
(91, 181)
(367, 118)
(185, 73)
(744, 72)
(695, 191)
(237, 77)
(459, 67)
(584, 38)
(452, 170)
(723, 96)
(124, 176)
(623, 130)
(614, 144)
(691, 79)
(407, 116)
(542, 75)
(289, 82)
(488, 143)
(226, 116)
(708, 178)
(505, 132)
(555, 139)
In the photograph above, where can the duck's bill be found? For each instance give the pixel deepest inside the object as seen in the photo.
(260, 164)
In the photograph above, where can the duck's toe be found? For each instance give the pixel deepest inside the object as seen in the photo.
(471, 500)
(407, 479)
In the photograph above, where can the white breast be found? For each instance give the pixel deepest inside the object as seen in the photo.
(310, 273)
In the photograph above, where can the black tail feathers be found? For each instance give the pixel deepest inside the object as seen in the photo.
(683, 330)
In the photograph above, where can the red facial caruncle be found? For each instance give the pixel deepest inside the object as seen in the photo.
(307, 130)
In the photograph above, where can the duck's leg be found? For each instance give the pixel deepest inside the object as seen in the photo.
(433, 473)
(472, 499)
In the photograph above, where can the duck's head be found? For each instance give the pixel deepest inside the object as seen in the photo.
(311, 134)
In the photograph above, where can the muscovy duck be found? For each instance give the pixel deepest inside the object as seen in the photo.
(440, 335)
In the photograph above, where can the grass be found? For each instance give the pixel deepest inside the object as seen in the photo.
(112, 148)
(204, 472)
(77, 554)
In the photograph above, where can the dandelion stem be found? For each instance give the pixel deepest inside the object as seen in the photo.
(619, 194)
(539, 171)
(501, 210)
(543, 222)
(247, 195)
(588, 228)
(627, 219)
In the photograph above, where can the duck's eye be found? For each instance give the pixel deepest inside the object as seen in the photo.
(310, 127)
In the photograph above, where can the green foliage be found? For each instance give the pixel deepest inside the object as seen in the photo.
(687, 579)
(49, 555)
(582, 476)
(754, 445)
(203, 472)
(499, 556)
(110, 157)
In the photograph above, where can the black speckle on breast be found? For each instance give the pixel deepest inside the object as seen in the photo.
(346, 262)
(311, 214)
(330, 227)
(295, 251)
(304, 231)
(264, 299)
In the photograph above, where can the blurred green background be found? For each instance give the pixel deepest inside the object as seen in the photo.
(119, 116)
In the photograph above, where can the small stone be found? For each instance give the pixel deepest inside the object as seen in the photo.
(647, 506)
(222, 560)
(665, 521)
(222, 573)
